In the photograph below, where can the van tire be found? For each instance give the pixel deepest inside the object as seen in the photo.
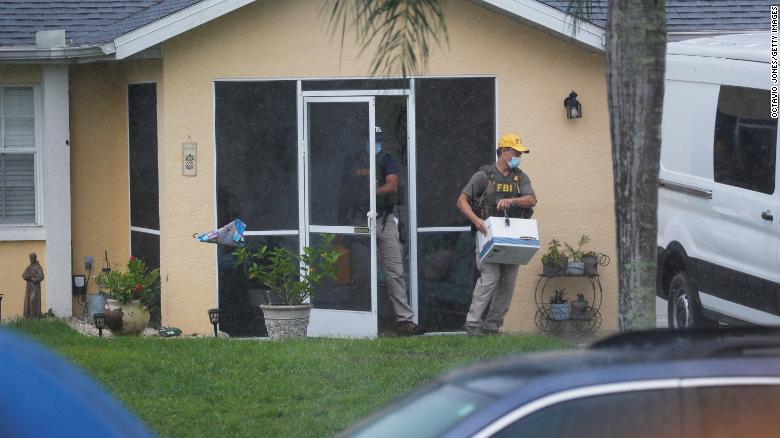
(684, 310)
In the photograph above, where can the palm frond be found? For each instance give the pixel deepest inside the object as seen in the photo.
(578, 10)
(401, 29)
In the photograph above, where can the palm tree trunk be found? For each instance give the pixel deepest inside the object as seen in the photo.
(636, 50)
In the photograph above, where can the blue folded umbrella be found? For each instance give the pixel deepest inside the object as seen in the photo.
(231, 234)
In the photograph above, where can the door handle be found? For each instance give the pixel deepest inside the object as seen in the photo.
(767, 215)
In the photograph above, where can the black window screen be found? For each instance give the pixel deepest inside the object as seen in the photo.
(745, 140)
(146, 246)
(456, 133)
(256, 133)
(144, 185)
(356, 84)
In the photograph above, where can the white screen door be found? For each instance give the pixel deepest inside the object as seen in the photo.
(340, 199)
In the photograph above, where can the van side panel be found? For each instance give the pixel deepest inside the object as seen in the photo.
(731, 252)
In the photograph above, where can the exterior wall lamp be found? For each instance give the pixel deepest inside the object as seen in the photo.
(214, 319)
(573, 106)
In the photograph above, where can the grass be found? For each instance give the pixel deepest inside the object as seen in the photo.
(308, 387)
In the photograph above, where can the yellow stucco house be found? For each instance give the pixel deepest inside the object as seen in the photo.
(129, 126)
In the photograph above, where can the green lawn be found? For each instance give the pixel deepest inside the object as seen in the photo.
(311, 387)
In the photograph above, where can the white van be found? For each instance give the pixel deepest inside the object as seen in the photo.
(718, 198)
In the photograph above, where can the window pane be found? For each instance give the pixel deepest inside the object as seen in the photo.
(456, 130)
(745, 140)
(351, 290)
(638, 414)
(339, 163)
(19, 117)
(446, 268)
(356, 84)
(19, 133)
(144, 182)
(239, 297)
(733, 411)
(17, 188)
(427, 415)
(146, 247)
(257, 153)
(18, 102)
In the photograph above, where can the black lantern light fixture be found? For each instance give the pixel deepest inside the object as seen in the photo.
(573, 106)
(214, 318)
(100, 322)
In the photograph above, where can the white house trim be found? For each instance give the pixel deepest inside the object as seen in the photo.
(56, 188)
(173, 25)
(550, 19)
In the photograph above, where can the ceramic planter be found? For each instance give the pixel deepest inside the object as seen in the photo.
(575, 268)
(286, 321)
(559, 312)
(126, 319)
(591, 265)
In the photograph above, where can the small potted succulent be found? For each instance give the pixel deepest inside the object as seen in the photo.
(293, 278)
(559, 305)
(554, 260)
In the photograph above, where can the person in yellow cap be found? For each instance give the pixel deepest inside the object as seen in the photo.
(496, 189)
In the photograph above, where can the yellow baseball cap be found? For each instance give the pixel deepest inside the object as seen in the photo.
(512, 141)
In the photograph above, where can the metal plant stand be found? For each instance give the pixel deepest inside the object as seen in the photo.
(548, 320)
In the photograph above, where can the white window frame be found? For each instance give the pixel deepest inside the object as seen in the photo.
(28, 231)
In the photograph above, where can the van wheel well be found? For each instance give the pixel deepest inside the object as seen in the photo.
(673, 263)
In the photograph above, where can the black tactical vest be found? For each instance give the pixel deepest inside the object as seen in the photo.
(384, 202)
(500, 187)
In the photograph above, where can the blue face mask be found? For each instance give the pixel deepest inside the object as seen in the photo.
(378, 146)
(514, 163)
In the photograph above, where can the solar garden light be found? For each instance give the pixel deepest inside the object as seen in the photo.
(214, 318)
(573, 106)
(100, 322)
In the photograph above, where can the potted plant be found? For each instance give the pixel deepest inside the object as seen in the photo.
(591, 262)
(575, 265)
(554, 260)
(132, 293)
(294, 278)
(559, 307)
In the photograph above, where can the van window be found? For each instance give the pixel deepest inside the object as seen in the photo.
(745, 140)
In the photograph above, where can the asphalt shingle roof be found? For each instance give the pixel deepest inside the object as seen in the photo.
(696, 15)
(94, 22)
(85, 22)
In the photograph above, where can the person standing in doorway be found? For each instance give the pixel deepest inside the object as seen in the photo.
(497, 189)
(391, 255)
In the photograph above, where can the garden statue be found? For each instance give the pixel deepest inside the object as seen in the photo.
(33, 275)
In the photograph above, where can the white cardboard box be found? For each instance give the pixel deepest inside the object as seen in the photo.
(513, 244)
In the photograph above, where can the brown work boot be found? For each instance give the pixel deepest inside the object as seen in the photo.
(408, 328)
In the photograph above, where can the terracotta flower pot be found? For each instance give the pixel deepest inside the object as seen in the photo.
(126, 319)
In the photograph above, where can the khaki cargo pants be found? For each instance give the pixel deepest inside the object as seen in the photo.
(391, 259)
(492, 295)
